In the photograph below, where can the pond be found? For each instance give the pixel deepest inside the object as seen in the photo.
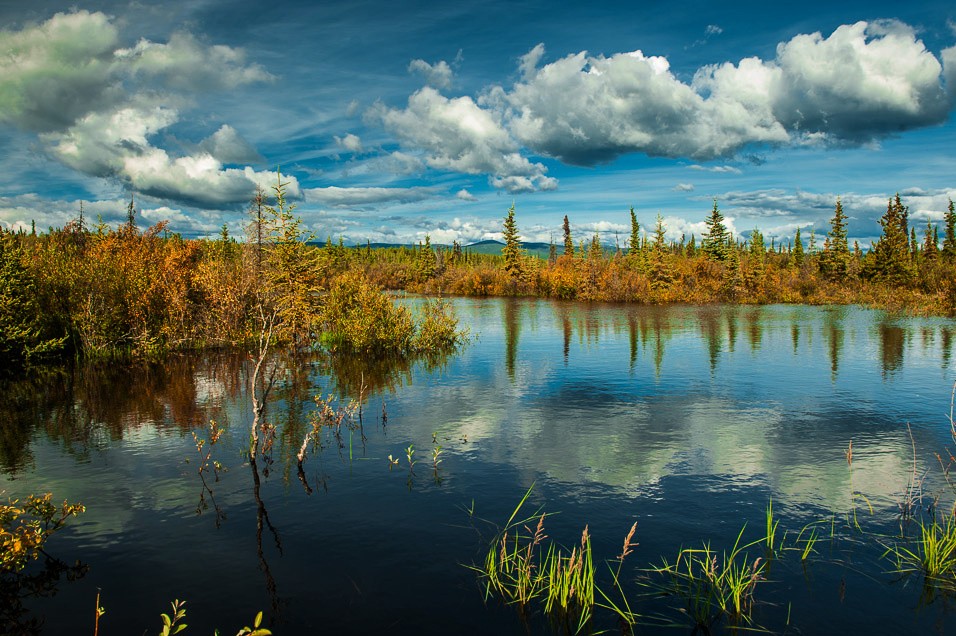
(687, 420)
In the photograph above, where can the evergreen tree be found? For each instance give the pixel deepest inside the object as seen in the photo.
(930, 246)
(716, 240)
(293, 273)
(426, 259)
(512, 249)
(835, 259)
(661, 275)
(758, 255)
(568, 241)
(889, 261)
(634, 245)
(595, 251)
(949, 234)
(552, 252)
(797, 251)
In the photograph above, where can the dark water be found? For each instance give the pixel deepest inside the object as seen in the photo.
(686, 420)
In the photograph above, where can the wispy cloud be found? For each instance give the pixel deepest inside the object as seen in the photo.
(719, 169)
(336, 197)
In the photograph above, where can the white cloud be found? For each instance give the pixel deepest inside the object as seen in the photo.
(465, 195)
(438, 75)
(186, 64)
(349, 142)
(586, 110)
(684, 187)
(99, 108)
(719, 169)
(365, 197)
(458, 135)
(863, 82)
(57, 71)
(713, 29)
(228, 146)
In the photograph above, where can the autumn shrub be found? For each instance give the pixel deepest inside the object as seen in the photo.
(25, 527)
(357, 316)
(437, 328)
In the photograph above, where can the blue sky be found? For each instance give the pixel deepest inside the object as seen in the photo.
(391, 120)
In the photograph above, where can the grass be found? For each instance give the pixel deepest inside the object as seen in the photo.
(713, 586)
(524, 569)
(933, 554)
(570, 584)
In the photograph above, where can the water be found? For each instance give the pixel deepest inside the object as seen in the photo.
(687, 420)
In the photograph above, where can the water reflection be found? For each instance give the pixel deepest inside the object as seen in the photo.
(891, 347)
(612, 410)
(833, 335)
(511, 308)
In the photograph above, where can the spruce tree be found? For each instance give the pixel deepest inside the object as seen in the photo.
(716, 240)
(427, 261)
(634, 246)
(930, 248)
(890, 258)
(797, 251)
(949, 234)
(758, 254)
(568, 241)
(660, 271)
(835, 259)
(512, 249)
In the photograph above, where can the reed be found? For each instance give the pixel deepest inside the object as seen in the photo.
(570, 584)
(933, 554)
(512, 567)
(772, 525)
(714, 587)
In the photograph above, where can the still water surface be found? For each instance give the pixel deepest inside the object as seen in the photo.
(687, 420)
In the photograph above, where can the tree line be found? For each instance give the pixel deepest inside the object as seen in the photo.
(900, 271)
(93, 290)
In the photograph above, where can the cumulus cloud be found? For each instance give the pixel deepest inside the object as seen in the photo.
(57, 71)
(465, 195)
(438, 75)
(349, 142)
(336, 197)
(184, 63)
(457, 135)
(863, 82)
(586, 110)
(684, 187)
(228, 146)
(99, 108)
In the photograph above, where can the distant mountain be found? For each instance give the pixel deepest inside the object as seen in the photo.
(494, 247)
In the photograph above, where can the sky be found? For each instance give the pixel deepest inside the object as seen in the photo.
(392, 120)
